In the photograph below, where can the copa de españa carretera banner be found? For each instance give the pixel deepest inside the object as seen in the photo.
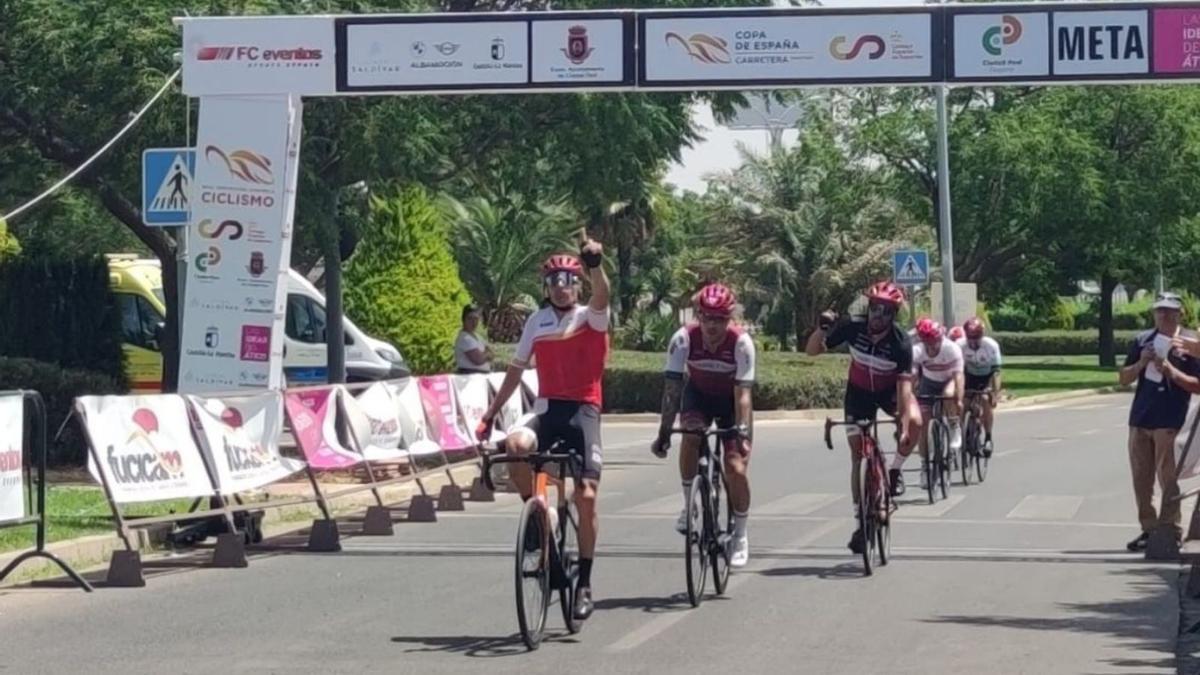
(143, 448)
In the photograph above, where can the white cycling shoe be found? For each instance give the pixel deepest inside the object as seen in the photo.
(681, 522)
(741, 552)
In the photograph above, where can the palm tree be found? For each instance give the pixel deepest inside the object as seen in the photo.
(499, 241)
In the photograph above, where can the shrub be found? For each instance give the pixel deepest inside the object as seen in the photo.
(59, 387)
(646, 331)
(1058, 343)
(62, 312)
(402, 283)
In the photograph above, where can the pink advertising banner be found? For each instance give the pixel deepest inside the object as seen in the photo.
(441, 410)
(1177, 40)
(313, 414)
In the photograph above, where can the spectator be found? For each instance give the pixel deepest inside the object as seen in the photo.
(471, 353)
(1166, 375)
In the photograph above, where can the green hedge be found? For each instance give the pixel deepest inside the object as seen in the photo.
(59, 387)
(1059, 343)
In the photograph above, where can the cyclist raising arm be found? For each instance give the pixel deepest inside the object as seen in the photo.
(880, 378)
(719, 360)
(570, 343)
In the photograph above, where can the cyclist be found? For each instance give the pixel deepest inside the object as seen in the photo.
(719, 360)
(569, 344)
(939, 362)
(880, 378)
(981, 355)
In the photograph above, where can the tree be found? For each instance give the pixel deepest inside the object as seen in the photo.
(402, 283)
(499, 241)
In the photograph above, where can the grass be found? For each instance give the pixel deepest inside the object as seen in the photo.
(1031, 375)
(78, 511)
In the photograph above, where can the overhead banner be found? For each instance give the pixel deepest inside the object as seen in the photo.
(142, 448)
(479, 52)
(991, 46)
(12, 463)
(258, 55)
(735, 49)
(242, 437)
(313, 415)
(240, 242)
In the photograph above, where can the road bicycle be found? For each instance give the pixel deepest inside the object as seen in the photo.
(973, 458)
(873, 494)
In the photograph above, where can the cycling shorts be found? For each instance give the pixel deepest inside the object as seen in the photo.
(861, 404)
(575, 423)
(978, 382)
(698, 410)
(927, 388)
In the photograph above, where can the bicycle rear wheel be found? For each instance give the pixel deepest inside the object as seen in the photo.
(943, 460)
(929, 469)
(695, 555)
(569, 554)
(720, 542)
(867, 514)
(532, 573)
(971, 449)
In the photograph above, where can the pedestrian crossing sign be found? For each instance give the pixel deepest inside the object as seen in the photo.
(910, 268)
(167, 186)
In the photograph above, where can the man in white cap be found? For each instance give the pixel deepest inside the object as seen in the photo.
(1166, 378)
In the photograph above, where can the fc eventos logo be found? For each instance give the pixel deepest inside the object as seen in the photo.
(997, 37)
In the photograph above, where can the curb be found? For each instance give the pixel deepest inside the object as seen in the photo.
(90, 553)
(822, 413)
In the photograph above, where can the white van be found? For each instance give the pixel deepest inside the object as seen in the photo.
(137, 284)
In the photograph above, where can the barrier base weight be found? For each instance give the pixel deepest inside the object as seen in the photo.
(420, 510)
(480, 493)
(378, 522)
(1162, 544)
(450, 499)
(125, 570)
(323, 537)
(230, 550)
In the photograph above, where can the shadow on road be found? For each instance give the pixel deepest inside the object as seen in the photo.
(472, 645)
(838, 572)
(1134, 623)
(648, 604)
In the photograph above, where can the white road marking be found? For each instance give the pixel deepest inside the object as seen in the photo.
(800, 504)
(663, 506)
(1046, 507)
(935, 510)
(664, 622)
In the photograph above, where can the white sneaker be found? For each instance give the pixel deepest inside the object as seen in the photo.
(681, 522)
(741, 552)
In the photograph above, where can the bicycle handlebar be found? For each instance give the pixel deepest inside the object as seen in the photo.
(536, 459)
(861, 424)
(722, 432)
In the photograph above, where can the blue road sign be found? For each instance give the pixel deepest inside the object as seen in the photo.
(167, 186)
(910, 268)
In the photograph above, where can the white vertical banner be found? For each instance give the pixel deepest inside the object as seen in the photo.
(12, 444)
(241, 436)
(240, 241)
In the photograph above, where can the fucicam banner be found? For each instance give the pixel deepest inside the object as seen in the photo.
(242, 437)
(239, 241)
(473, 395)
(12, 444)
(414, 428)
(510, 411)
(142, 448)
(374, 419)
(441, 409)
(313, 414)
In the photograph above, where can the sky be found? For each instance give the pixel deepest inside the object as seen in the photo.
(717, 152)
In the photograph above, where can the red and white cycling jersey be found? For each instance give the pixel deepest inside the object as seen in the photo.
(712, 372)
(569, 353)
(939, 368)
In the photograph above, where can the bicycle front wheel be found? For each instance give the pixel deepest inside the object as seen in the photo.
(720, 542)
(868, 505)
(533, 573)
(970, 447)
(695, 554)
(884, 524)
(569, 554)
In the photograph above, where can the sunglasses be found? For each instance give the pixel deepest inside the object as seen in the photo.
(561, 279)
(878, 310)
(714, 318)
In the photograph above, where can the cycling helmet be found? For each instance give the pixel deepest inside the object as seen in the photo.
(886, 293)
(562, 262)
(929, 330)
(956, 333)
(973, 328)
(715, 299)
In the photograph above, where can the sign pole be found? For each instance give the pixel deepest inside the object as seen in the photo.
(946, 240)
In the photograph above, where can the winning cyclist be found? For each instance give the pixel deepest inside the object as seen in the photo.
(982, 357)
(569, 344)
(880, 378)
(940, 364)
(719, 360)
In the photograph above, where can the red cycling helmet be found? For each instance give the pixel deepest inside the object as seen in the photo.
(956, 333)
(715, 299)
(973, 328)
(562, 262)
(929, 330)
(886, 293)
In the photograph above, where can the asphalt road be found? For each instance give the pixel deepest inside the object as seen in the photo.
(1024, 574)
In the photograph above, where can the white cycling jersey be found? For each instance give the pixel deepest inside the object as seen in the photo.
(981, 361)
(940, 367)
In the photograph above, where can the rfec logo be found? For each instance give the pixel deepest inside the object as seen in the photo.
(1007, 33)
